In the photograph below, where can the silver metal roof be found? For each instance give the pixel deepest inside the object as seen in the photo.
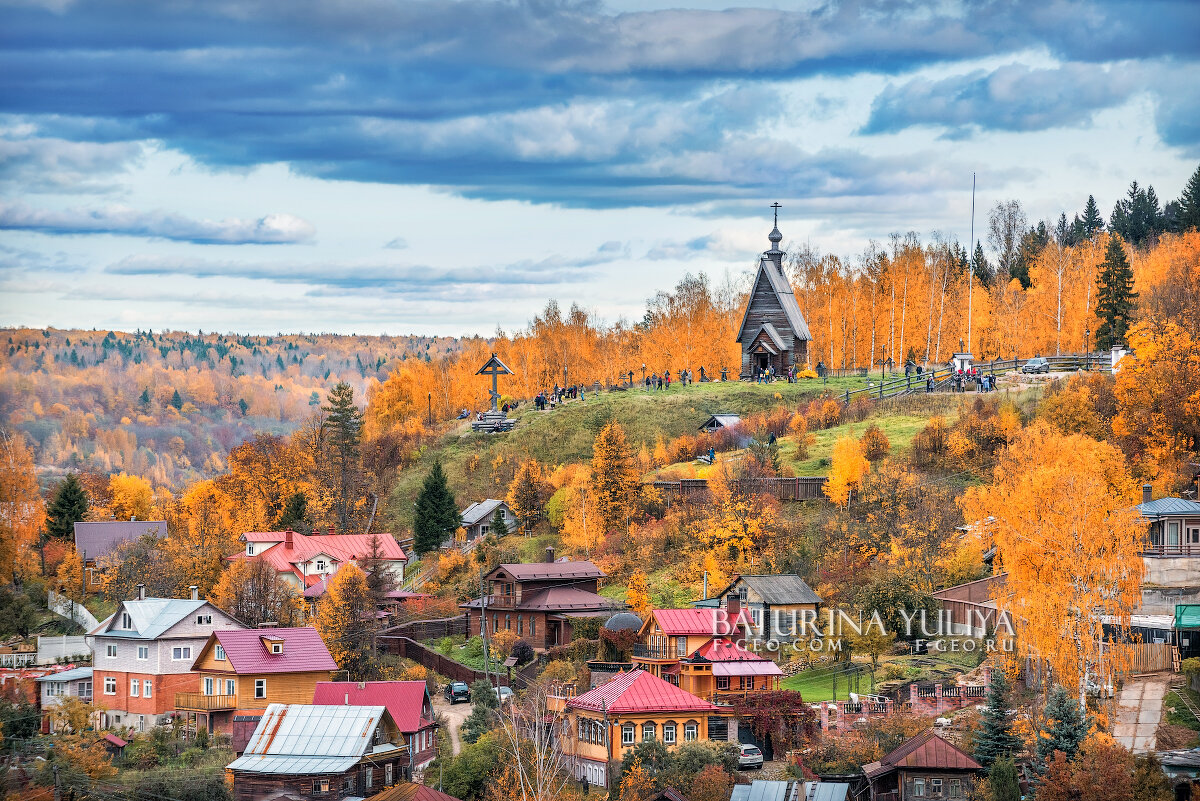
(306, 738)
(1168, 506)
(68, 675)
(293, 765)
(151, 617)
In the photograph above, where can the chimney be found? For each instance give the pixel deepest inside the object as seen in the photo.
(141, 588)
(331, 531)
(347, 699)
(1147, 490)
(195, 592)
(733, 605)
(550, 554)
(287, 539)
(132, 518)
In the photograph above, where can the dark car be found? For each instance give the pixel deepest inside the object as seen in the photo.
(1037, 364)
(457, 691)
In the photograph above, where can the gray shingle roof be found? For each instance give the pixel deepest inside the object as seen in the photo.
(778, 589)
(100, 538)
(478, 512)
(1168, 506)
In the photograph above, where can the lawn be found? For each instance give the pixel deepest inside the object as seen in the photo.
(899, 429)
(1177, 713)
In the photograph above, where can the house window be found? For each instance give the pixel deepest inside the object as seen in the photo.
(321, 785)
(691, 732)
(181, 652)
(85, 689)
(208, 685)
(507, 622)
(110, 651)
(260, 688)
(368, 778)
(250, 549)
(126, 623)
(918, 788)
(627, 734)
(956, 788)
(146, 688)
(495, 622)
(219, 654)
(320, 565)
(1193, 536)
(935, 787)
(532, 626)
(1172, 533)
(648, 729)
(277, 648)
(387, 773)
(229, 687)
(203, 620)
(134, 686)
(722, 682)
(484, 529)
(143, 652)
(110, 685)
(520, 626)
(503, 514)
(669, 733)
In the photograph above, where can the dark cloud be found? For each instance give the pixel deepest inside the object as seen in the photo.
(1012, 98)
(272, 229)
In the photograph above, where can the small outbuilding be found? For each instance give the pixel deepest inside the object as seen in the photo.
(719, 421)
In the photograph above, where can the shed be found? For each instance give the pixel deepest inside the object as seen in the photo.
(719, 421)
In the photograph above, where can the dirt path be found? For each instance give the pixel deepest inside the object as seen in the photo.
(455, 715)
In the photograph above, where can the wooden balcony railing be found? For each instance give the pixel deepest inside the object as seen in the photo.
(1173, 549)
(198, 702)
(643, 651)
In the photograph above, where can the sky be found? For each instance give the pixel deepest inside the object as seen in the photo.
(447, 166)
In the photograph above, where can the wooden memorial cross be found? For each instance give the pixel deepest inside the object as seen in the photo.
(494, 367)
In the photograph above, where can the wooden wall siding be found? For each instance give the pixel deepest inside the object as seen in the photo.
(259, 786)
(800, 488)
(282, 688)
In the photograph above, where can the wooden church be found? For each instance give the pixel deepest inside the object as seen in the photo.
(773, 332)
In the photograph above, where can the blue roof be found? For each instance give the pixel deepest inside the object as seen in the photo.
(68, 675)
(151, 618)
(1163, 507)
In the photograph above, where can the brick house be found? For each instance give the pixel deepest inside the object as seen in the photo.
(408, 702)
(539, 601)
(143, 654)
(307, 559)
(327, 752)
(926, 766)
(240, 672)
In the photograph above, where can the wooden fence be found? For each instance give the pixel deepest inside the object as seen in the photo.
(800, 488)
(429, 629)
(1150, 657)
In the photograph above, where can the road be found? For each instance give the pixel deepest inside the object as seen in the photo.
(455, 715)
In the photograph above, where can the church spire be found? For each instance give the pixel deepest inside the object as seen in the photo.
(774, 253)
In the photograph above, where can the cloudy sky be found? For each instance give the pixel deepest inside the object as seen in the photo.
(446, 166)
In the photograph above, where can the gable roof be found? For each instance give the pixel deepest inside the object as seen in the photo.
(74, 674)
(100, 538)
(1162, 507)
(722, 420)
(782, 290)
(342, 547)
(405, 700)
(926, 750)
(722, 649)
(695, 621)
(481, 510)
(303, 650)
(533, 571)
(781, 588)
(309, 739)
(410, 791)
(639, 691)
(152, 617)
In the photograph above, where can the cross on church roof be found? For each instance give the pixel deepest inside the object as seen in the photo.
(777, 207)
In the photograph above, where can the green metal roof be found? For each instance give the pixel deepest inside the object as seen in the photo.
(1187, 616)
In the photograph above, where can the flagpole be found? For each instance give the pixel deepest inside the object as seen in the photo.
(970, 270)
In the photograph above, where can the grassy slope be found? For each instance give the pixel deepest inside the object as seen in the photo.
(565, 434)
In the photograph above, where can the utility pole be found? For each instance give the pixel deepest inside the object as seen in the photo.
(970, 270)
(487, 659)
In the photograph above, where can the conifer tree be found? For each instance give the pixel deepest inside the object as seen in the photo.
(1189, 203)
(995, 738)
(1114, 295)
(343, 424)
(483, 709)
(380, 580)
(68, 507)
(613, 475)
(980, 267)
(294, 516)
(1003, 784)
(499, 525)
(436, 517)
(526, 494)
(1093, 223)
(177, 400)
(1065, 727)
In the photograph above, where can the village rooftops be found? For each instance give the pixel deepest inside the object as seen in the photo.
(777, 589)
(551, 571)
(150, 618)
(100, 538)
(925, 751)
(639, 691)
(404, 700)
(698, 621)
(1168, 507)
(480, 511)
(277, 650)
(304, 739)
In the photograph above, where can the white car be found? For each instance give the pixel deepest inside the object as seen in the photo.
(504, 695)
(751, 757)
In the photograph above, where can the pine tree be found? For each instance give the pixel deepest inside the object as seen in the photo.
(1093, 223)
(294, 516)
(1003, 784)
(1114, 295)
(499, 525)
(1065, 727)
(346, 621)
(343, 423)
(177, 400)
(380, 580)
(483, 709)
(144, 400)
(436, 516)
(1189, 204)
(613, 476)
(995, 738)
(980, 267)
(525, 494)
(68, 506)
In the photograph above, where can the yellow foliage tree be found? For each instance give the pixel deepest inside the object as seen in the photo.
(24, 513)
(849, 467)
(614, 480)
(638, 595)
(132, 496)
(346, 621)
(1070, 541)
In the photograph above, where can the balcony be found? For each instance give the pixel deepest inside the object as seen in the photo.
(643, 651)
(198, 702)
(501, 601)
(1171, 549)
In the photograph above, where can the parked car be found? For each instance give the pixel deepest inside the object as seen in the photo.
(751, 757)
(457, 691)
(503, 694)
(1037, 364)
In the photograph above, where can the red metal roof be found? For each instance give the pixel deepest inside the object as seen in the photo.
(303, 650)
(404, 700)
(926, 750)
(341, 547)
(696, 621)
(724, 650)
(549, 571)
(638, 691)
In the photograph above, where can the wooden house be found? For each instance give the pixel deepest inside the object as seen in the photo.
(477, 518)
(773, 333)
(408, 702)
(778, 604)
(328, 752)
(95, 540)
(926, 766)
(602, 724)
(540, 601)
(241, 672)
